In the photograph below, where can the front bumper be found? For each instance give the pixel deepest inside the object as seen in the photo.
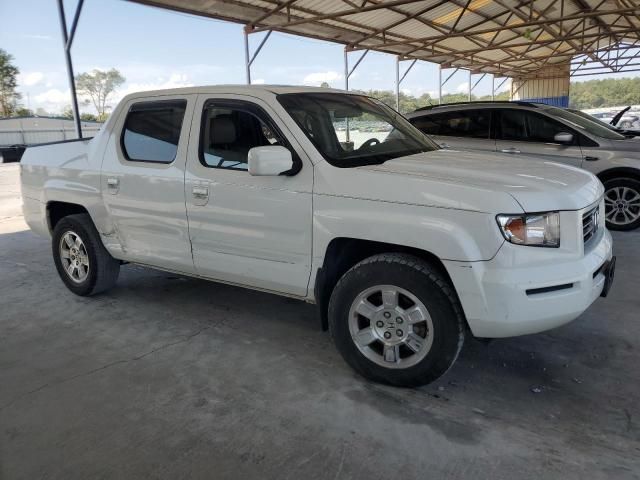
(505, 297)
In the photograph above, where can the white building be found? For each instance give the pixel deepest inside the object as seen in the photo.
(31, 130)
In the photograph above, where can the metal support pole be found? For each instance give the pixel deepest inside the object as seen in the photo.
(348, 73)
(247, 64)
(439, 84)
(478, 81)
(67, 40)
(469, 85)
(346, 70)
(398, 82)
(399, 78)
(493, 88)
(346, 87)
(502, 83)
(249, 61)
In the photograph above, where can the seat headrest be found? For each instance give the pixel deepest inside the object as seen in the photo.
(222, 130)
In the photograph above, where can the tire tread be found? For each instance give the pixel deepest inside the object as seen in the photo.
(421, 267)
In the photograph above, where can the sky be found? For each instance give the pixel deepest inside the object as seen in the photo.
(154, 49)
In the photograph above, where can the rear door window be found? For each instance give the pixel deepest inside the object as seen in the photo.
(512, 125)
(152, 130)
(464, 123)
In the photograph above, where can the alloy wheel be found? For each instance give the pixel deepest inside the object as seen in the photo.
(622, 205)
(391, 326)
(74, 257)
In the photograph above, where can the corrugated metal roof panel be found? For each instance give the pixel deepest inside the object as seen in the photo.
(517, 35)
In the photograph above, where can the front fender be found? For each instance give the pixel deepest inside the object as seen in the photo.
(449, 234)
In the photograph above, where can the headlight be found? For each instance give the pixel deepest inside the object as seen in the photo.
(534, 229)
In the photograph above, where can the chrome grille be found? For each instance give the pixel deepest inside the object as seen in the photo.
(590, 223)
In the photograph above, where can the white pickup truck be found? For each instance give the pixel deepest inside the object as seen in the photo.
(333, 198)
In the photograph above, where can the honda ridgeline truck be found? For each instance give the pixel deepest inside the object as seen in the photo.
(333, 198)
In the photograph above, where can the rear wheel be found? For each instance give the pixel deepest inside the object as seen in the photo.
(396, 320)
(622, 203)
(84, 265)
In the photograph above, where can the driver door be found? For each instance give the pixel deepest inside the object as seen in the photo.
(528, 133)
(248, 230)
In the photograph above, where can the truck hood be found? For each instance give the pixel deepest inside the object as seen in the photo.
(535, 184)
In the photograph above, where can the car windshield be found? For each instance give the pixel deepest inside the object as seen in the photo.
(592, 119)
(354, 130)
(586, 124)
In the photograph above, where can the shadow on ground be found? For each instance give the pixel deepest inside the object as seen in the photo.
(172, 377)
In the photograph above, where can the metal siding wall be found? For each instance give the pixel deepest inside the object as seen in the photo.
(552, 91)
(555, 101)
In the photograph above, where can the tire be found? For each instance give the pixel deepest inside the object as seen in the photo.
(425, 349)
(93, 270)
(622, 203)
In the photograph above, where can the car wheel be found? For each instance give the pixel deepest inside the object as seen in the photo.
(84, 265)
(396, 320)
(622, 203)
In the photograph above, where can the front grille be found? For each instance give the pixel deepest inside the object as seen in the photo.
(590, 223)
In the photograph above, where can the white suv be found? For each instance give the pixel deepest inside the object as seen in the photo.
(551, 133)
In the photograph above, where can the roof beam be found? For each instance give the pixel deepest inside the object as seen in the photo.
(544, 42)
(342, 13)
(271, 12)
(465, 33)
(398, 22)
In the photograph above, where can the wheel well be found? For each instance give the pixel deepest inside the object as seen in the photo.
(344, 253)
(619, 172)
(56, 211)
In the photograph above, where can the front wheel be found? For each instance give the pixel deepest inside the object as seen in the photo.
(84, 265)
(622, 203)
(396, 320)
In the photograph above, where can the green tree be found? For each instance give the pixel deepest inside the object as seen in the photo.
(23, 112)
(67, 112)
(99, 85)
(88, 117)
(325, 85)
(8, 83)
(608, 92)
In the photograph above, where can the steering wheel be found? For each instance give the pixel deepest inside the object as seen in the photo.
(369, 143)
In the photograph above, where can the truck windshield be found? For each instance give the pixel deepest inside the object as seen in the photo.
(354, 130)
(588, 125)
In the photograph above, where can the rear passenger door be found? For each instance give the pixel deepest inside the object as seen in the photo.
(467, 129)
(143, 181)
(249, 230)
(525, 132)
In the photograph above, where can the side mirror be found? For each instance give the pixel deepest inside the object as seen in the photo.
(269, 160)
(563, 137)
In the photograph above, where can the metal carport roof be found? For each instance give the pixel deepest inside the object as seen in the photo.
(524, 39)
(521, 39)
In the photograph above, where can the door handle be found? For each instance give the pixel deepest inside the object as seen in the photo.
(113, 185)
(590, 159)
(445, 145)
(200, 192)
(510, 150)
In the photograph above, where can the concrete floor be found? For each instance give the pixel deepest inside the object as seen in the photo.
(169, 377)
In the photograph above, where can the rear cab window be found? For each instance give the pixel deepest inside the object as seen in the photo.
(151, 131)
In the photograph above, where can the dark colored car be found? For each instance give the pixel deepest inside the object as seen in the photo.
(11, 153)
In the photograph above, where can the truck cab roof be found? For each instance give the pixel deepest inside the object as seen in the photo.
(237, 89)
